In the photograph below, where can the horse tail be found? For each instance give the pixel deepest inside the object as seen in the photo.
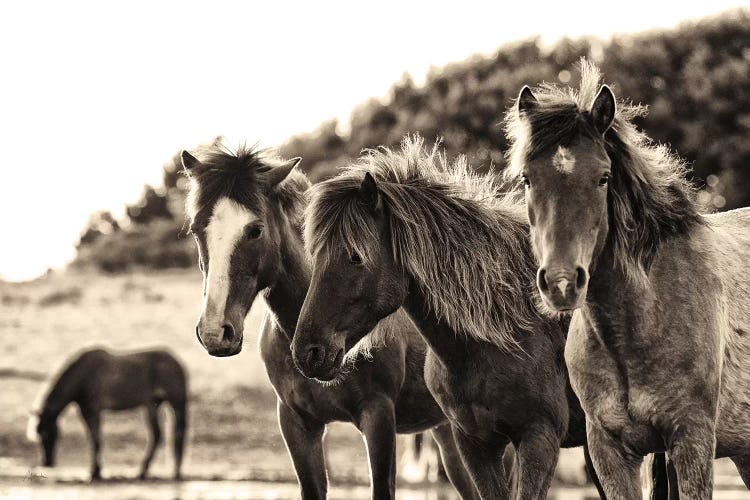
(659, 477)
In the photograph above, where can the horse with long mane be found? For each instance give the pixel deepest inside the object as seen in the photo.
(97, 380)
(658, 348)
(245, 210)
(407, 229)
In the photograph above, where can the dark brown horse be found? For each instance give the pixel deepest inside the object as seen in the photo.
(98, 380)
(658, 349)
(407, 229)
(245, 211)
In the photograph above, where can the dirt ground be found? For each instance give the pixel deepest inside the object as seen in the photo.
(235, 449)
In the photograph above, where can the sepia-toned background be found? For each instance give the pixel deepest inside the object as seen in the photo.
(133, 281)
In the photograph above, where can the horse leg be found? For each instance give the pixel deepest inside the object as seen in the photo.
(594, 478)
(537, 454)
(378, 426)
(742, 462)
(659, 479)
(304, 440)
(454, 467)
(155, 439)
(617, 468)
(92, 418)
(180, 425)
(674, 490)
(691, 449)
(484, 464)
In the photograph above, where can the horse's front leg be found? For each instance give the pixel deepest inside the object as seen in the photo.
(304, 440)
(691, 449)
(537, 457)
(485, 465)
(377, 422)
(617, 467)
(92, 418)
(454, 466)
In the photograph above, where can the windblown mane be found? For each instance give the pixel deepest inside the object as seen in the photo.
(239, 176)
(452, 231)
(649, 198)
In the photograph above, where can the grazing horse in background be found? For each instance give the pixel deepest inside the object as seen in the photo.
(659, 345)
(408, 229)
(245, 211)
(98, 380)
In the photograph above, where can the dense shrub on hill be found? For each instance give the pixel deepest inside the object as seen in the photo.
(695, 79)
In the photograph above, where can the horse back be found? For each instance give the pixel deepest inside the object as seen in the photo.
(124, 381)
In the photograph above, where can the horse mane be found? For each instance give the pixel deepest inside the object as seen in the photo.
(463, 241)
(650, 198)
(239, 175)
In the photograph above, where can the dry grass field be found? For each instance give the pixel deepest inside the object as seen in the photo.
(233, 413)
(233, 434)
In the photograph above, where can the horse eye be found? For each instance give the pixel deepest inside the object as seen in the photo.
(355, 259)
(254, 232)
(526, 181)
(604, 180)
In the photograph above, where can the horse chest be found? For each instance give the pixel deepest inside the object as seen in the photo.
(602, 387)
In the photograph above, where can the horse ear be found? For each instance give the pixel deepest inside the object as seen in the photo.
(603, 110)
(368, 192)
(526, 100)
(279, 173)
(189, 162)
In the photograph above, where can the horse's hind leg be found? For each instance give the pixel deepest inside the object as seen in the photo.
(304, 440)
(93, 424)
(454, 467)
(537, 454)
(484, 464)
(180, 427)
(742, 462)
(152, 410)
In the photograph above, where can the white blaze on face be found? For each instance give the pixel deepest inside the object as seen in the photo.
(564, 161)
(225, 229)
(563, 285)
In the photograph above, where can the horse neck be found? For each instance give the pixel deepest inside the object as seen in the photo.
(285, 297)
(450, 347)
(60, 395)
(614, 298)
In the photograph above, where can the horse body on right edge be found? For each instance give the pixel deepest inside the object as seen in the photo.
(659, 345)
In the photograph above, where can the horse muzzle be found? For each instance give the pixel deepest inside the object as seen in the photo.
(562, 289)
(318, 361)
(220, 342)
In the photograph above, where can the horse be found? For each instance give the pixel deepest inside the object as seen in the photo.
(408, 229)
(98, 380)
(245, 210)
(658, 347)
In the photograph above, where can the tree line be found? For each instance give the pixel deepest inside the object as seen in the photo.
(695, 80)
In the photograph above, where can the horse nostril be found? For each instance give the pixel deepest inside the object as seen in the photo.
(314, 356)
(541, 280)
(581, 277)
(228, 335)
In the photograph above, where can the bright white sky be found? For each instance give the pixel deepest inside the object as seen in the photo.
(96, 96)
